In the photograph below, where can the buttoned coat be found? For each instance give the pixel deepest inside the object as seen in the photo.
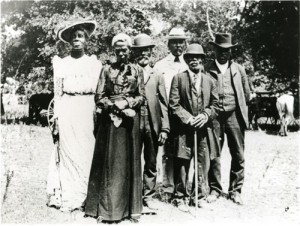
(240, 86)
(181, 109)
(156, 96)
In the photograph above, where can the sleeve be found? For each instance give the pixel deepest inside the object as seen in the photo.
(163, 101)
(213, 109)
(96, 67)
(245, 83)
(174, 102)
(101, 98)
(58, 84)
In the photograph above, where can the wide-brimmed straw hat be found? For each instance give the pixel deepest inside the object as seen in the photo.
(194, 49)
(142, 40)
(223, 40)
(65, 33)
(176, 33)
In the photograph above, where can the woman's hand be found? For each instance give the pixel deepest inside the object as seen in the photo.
(163, 136)
(55, 131)
(121, 104)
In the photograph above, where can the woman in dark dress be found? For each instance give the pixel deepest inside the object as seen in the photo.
(115, 184)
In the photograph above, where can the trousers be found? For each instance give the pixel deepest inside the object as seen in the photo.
(231, 125)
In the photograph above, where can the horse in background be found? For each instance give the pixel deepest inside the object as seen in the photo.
(285, 107)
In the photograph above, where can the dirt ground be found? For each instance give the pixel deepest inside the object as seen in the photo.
(270, 192)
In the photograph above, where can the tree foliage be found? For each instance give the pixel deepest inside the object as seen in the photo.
(267, 33)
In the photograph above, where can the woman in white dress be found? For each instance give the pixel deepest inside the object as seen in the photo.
(75, 81)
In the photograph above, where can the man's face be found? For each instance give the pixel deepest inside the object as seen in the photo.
(222, 54)
(122, 52)
(176, 46)
(143, 55)
(195, 62)
(78, 40)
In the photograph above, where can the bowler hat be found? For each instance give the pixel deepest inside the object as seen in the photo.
(176, 33)
(194, 49)
(223, 40)
(142, 40)
(65, 34)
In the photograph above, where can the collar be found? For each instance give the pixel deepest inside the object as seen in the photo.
(222, 67)
(172, 58)
(147, 69)
(192, 73)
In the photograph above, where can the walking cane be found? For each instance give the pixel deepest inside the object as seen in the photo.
(196, 171)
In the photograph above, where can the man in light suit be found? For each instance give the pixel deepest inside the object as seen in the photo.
(154, 124)
(234, 96)
(193, 105)
(169, 66)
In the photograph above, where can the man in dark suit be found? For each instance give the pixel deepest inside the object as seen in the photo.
(154, 124)
(193, 105)
(234, 95)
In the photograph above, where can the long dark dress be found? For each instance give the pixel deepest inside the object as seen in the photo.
(115, 184)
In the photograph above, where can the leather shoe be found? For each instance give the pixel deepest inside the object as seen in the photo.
(236, 198)
(213, 196)
(181, 205)
(151, 204)
(167, 197)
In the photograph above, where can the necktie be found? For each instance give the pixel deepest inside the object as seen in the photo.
(177, 59)
(194, 82)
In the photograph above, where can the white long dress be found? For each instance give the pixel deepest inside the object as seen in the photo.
(75, 82)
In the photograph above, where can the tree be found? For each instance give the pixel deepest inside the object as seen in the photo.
(270, 31)
(267, 32)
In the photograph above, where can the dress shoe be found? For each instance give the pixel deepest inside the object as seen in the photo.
(236, 198)
(181, 205)
(213, 196)
(167, 197)
(151, 204)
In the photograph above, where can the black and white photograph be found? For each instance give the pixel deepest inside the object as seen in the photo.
(150, 112)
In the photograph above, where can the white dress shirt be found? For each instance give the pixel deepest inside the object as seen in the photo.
(198, 81)
(169, 68)
(146, 73)
(222, 67)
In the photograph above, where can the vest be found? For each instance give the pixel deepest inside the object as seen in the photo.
(226, 92)
(196, 101)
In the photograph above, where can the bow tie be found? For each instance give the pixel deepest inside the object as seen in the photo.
(176, 59)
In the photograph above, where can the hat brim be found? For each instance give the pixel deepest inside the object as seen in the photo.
(170, 37)
(200, 54)
(65, 33)
(224, 45)
(141, 46)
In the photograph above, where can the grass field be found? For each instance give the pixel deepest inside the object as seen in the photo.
(270, 192)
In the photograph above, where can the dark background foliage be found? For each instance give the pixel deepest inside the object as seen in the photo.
(267, 34)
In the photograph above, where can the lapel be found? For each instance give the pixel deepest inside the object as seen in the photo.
(233, 69)
(205, 89)
(151, 72)
(186, 84)
(214, 70)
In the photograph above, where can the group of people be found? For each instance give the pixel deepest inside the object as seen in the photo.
(106, 117)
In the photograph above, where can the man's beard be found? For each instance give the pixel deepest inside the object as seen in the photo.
(144, 61)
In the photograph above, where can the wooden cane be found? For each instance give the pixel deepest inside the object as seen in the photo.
(196, 171)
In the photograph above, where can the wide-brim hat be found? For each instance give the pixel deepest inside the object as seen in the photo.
(223, 40)
(194, 49)
(65, 33)
(177, 33)
(142, 40)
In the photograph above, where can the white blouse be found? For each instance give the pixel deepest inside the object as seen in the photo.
(76, 76)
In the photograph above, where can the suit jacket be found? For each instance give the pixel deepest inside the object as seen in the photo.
(157, 101)
(181, 109)
(240, 86)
